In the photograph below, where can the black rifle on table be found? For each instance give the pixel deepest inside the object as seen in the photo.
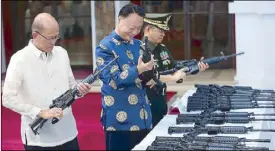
(237, 91)
(224, 107)
(209, 99)
(224, 114)
(195, 104)
(209, 106)
(233, 93)
(216, 139)
(209, 117)
(191, 66)
(192, 100)
(219, 120)
(189, 137)
(205, 100)
(195, 142)
(236, 97)
(174, 144)
(66, 99)
(214, 130)
(202, 145)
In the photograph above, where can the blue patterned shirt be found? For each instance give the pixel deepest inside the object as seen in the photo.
(125, 106)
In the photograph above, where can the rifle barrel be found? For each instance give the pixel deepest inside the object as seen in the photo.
(233, 55)
(263, 119)
(266, 114)
(258, 140)
(262, 130)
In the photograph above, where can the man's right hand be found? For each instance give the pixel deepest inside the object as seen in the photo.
(51, 113)
(142, 67)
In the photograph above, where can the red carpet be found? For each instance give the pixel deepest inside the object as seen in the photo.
(87, 113)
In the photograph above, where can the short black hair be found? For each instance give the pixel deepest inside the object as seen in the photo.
(131, 8)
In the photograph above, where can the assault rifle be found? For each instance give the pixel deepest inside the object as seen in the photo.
(235, 91)
(197, 143)
(189, 137)
(219, 120)
(204, 143)
(224, 114)
(208, 117)
(218, 99)
(233, 94)
(224, 107)
(241, 89)
(214, 130)
(235, 98)
(203, 146)
(195, 104)
(216, 139)
(213, 98)
(66, 99)
(191, 67)
(146, 57)
(207, 100)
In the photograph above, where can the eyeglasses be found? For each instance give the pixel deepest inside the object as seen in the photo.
(159, 30)
(52, 39)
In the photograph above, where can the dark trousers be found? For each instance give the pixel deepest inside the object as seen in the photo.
(71, 145)
(158, 109)
(124, 140)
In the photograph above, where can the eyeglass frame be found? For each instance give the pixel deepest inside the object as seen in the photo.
(52, 40)
(158, 29)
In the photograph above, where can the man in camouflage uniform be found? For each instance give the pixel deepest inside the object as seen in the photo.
(155, 26)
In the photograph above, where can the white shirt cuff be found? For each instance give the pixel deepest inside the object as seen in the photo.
(35, 111)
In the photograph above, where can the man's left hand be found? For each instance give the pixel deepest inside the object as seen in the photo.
(202, 66)
(84, 88)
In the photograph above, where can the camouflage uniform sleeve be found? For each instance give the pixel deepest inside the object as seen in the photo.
(113, 74)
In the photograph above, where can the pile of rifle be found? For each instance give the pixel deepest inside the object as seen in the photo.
(215, 104)
(228, 98)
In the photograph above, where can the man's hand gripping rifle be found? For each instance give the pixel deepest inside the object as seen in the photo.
(66, 99)
(191, 66)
